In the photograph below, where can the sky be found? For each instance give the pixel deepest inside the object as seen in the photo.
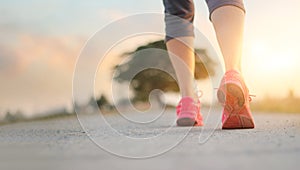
(41, 40)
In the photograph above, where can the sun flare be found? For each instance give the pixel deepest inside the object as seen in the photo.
(270, 60)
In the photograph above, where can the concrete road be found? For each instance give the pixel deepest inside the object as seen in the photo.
(123, 144)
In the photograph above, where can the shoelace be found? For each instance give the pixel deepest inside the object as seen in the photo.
(199, 93)
(251, 96)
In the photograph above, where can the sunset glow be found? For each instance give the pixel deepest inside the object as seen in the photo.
(40, 42)
(272, 61)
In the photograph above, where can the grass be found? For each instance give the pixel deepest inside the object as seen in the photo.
(289, 104)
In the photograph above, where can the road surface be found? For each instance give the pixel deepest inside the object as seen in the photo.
(63, 144)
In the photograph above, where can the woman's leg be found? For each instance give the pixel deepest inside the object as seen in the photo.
(183, 60)
(179, 16)
(228, 22)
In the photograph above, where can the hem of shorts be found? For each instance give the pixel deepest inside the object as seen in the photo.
(243, 9)
(168, 38)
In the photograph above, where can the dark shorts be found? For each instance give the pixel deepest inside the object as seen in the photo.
(179, 15)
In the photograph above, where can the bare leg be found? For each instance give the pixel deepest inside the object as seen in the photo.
(183, 60)
(228, 22)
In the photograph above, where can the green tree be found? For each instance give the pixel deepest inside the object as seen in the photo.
(102, 101)
(147, 80)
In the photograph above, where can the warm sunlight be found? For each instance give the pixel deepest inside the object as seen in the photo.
(271, 68)
(98, 85)
(269, 60)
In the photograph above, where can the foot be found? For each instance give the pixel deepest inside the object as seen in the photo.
(234, 95)
(188, 112)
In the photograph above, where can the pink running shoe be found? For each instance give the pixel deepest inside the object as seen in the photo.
(188, 112)
(234, 95)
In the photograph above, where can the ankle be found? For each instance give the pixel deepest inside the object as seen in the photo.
(235, 68)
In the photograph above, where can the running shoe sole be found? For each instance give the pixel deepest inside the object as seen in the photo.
(185, 122)
(235, 121)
